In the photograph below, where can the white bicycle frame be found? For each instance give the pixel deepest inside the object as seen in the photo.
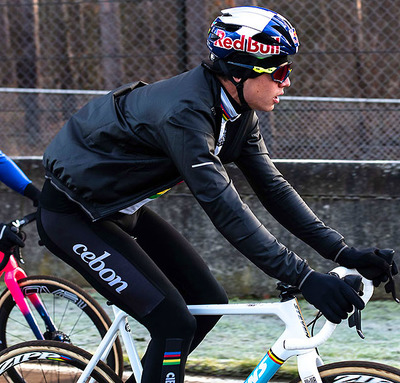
(295, 339)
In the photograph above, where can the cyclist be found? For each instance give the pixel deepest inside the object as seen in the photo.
(15, 178)
(126, 148)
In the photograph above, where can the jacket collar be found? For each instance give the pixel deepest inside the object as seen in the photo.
(229, 112)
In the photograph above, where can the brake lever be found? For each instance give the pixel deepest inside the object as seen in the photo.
(390, 286)
(15, 227)
(354, 281)
(355, 320)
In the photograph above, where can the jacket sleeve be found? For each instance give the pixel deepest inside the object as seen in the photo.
(12, 175)
(282, 201)
(192, 151)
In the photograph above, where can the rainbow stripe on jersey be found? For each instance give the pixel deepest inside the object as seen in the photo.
(228, 114)
(172, 358)
(132, 209)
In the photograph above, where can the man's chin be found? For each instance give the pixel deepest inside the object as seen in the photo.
(266, 108)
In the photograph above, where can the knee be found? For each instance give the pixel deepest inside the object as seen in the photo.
(220, 297)
(217, 295)
(171, 320)
(183, 323)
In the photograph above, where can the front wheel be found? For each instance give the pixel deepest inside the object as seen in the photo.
(357, 372)
(50, 362)
(77, 316)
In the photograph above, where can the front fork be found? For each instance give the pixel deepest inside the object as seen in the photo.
(13, 273)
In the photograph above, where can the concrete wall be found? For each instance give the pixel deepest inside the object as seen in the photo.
(359, 199)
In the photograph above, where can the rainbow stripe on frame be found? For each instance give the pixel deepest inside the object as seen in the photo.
(172, 358)
(266, 369)
(274, 357)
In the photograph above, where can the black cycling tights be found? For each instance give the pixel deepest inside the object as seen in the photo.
(144, 266)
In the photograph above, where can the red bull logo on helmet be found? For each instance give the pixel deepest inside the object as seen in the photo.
(246, 44)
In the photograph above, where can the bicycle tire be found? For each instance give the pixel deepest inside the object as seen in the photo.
(51, 362)
(357, 371)
(74, 312)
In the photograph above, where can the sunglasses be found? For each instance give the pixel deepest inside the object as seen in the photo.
(278, 74)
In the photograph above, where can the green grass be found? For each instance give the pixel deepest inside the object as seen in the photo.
(237, 343)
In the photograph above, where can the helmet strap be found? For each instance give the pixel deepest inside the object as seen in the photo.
(239, 87)
(238, 84)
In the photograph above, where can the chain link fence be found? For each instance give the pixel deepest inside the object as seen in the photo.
(344, 102)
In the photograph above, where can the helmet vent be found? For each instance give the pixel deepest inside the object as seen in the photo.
(213, 37)
(283, 32)
(265, 39)
(228, 27)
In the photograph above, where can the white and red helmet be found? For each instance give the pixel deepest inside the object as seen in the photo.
(255, 31)
(251, 35)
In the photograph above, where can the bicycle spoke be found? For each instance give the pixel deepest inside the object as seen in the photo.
(63, 314)
(78, 319)
(51, 362)
(75, 324)
(21, 323)
(19, 337)
(43, 374)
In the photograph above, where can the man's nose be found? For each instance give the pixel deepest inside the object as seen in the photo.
(286, 83)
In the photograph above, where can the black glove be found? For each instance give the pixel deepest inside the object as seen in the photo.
(33, 193)
(331, 295)
(9, 239)
(376, 265)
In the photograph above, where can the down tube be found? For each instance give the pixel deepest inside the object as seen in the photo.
(266, 369)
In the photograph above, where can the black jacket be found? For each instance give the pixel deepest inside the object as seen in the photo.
(131, 144)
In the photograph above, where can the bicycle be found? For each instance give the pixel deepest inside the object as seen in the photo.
(67, 363)
(44, 307)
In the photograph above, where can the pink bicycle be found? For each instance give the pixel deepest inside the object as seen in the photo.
(49, 308)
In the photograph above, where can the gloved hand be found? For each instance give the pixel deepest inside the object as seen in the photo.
(33, 193)
(331, 295)
(374, 264)
(9, 239)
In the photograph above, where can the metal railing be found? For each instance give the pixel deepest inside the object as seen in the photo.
(344, 95)
(300, 127)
